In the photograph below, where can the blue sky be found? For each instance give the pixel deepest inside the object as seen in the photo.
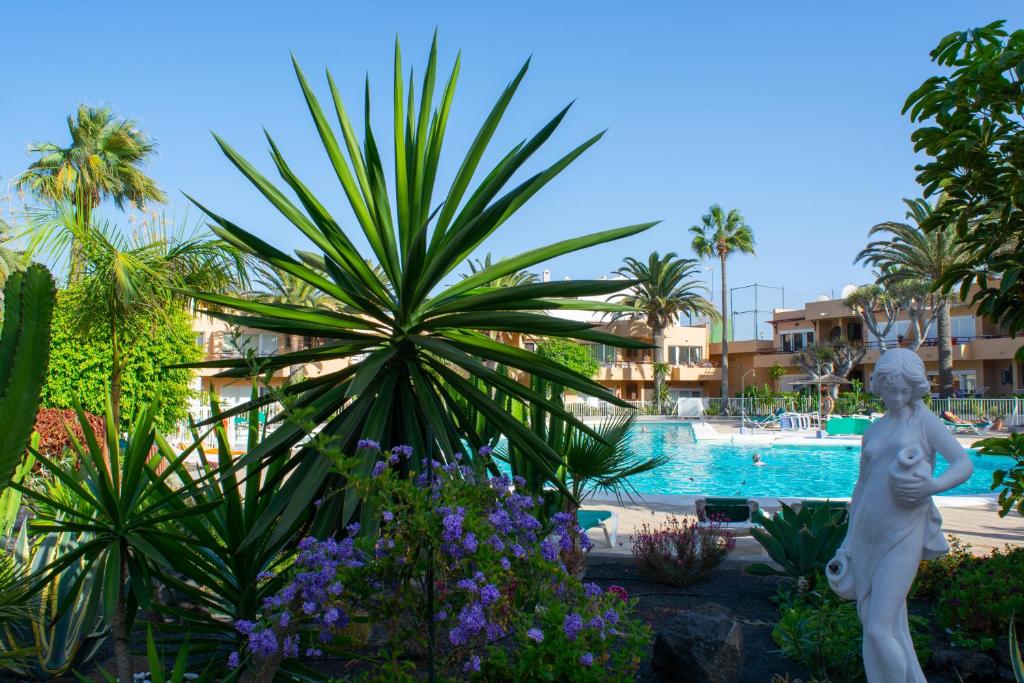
(789, 112)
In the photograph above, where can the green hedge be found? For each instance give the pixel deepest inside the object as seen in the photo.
(80, 367)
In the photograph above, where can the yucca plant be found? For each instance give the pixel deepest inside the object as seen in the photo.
(1015, 658)
(158, 672)
(423, 341)
(10, 498)
(63, 628)
(800, 542)
(131, 519)
(29, 298)
(228, 580)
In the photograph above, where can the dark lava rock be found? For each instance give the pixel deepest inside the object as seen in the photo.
(971, 665)
(703, 644)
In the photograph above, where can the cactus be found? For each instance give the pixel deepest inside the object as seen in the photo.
(61, 637)
(29, 298)
(10, 498)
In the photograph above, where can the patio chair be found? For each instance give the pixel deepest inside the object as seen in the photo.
(762, 421)
(735, 514)
(959, 426)
(589, 519)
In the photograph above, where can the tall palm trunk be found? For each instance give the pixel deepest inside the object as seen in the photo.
(725, 336)
(83, 218)
(945, 350)
(658, 337)
(115, 375)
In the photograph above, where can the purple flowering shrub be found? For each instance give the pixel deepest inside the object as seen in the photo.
(681, 552)
(503, 601)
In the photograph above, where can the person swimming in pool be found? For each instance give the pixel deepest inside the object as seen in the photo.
(758, 461)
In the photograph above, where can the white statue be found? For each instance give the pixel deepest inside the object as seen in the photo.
(893, 522)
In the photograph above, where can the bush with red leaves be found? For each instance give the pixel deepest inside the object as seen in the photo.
(53, 438)
(680, 552)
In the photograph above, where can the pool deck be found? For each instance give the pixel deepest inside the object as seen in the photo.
(974, 519)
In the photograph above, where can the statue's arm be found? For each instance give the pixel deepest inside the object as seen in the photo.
(960, 466)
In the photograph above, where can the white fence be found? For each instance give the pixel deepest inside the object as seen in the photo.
(1011, 410)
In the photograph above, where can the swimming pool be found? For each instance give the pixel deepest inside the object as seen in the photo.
(718, 468)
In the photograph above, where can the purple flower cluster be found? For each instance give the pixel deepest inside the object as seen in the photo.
(312, 592)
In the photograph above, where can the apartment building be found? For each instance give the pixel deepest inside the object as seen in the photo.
(983, 363)
(219, 341)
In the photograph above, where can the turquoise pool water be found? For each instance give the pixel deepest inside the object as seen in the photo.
(725, 469)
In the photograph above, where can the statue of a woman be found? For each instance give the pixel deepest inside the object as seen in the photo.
(893, 522)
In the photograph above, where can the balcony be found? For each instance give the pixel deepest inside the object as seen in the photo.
(624, 371)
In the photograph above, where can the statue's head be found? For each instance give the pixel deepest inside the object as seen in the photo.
(899, 378)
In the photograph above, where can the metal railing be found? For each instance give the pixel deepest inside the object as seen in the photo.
(1011, 410)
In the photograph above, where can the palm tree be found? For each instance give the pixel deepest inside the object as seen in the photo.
(519, 277)
(909, 256)
(281, 287)
(127, 280)
(12, 258)
(720, 234)
(666, 287)
(102, 161)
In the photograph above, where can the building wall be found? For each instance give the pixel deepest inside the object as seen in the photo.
(982, 353)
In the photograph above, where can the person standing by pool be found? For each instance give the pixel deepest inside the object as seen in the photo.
(758, 461)
(894, 523)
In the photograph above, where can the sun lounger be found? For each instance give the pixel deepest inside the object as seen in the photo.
(735, 514)
(762, 421)
(589, 519)
(979, 428)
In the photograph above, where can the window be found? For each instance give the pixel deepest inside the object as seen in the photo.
(200, 339)
(530, 346)
(854, 332)
(965, 382)
(603, 353)
(962, 326)
(797, 340)
(897, 331)
(684, 355)
(675, 394)
(260, 344)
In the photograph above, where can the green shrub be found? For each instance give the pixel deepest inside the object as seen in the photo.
(934, 576)
(1011, 480)
(80, 368)
(573, 355)
(982, 596)
(823, 634)
(712, 410)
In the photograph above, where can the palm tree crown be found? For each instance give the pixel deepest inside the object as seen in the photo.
(666, 287)
(519, 277)
(722, 233)
(910, 257)
(102, 161)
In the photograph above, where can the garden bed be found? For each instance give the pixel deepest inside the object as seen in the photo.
(748, 598)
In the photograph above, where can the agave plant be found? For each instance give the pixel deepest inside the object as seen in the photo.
(423, 342)
(800, 542)
(64, 630)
